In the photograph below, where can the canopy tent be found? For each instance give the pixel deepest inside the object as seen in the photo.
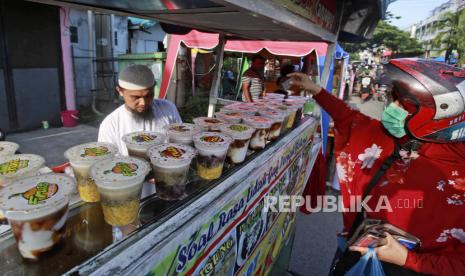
(196, 39)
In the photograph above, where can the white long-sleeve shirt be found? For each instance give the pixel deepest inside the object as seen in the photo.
(122, 121)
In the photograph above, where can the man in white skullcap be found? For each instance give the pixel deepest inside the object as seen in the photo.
(140, 111)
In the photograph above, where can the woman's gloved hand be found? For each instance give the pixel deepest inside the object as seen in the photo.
(392, 252)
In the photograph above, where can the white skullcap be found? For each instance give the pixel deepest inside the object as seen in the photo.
(136, 77)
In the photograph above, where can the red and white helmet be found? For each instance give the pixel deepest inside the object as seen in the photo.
(434, 95)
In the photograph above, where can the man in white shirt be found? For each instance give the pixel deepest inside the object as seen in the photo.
(140, 111)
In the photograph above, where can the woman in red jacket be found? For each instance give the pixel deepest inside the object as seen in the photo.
(425, 186)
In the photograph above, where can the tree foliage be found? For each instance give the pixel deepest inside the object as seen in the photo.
(453, 35)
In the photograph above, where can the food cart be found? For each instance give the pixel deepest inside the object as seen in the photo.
(221, 227)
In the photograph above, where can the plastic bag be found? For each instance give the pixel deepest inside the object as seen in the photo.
(368, 265)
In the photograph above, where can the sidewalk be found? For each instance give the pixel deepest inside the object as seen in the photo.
(52, 143)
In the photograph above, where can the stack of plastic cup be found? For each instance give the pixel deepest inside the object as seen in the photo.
(182, 133)
(241, 134)
(8, 148)
(230, 117)
(170, 163)
(119, 181)
(17, 166)
(209, 124)
(212, 148)
(81, 158)
(37, 209)
(262, 126)
(139, 142)
(277, 117)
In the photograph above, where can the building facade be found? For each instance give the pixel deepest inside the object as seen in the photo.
(426, 30)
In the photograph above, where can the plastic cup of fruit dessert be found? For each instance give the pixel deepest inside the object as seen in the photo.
(277, 117)
(262, 126)
(119, 181)
(8, 148)
(230, 117)
(182, 133)
(37, 208)
(244, 108)
(139, 142)
(81, 158)
(241, 134)
(170, 163)
(299, 108)
(18, 166)
(209, 124)
(212, 148)
(285, 110)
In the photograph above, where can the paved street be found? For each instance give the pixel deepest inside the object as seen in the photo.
(315, 241)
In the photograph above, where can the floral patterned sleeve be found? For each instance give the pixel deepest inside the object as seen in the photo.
(342, 115)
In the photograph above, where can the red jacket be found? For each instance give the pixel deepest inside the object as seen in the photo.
(426, 195)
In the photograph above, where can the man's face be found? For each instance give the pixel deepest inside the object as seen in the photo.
(138, 101)
(258, 65)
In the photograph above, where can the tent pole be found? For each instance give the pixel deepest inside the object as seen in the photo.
(219, 53)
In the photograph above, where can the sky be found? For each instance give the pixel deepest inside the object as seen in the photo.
(412, 11)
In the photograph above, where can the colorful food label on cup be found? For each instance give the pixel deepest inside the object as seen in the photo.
(142, 138)
(172, 152)
(95, 152)
(239, 128)
(38, 194)
(212, 139)
(13, 166)
(126, 169)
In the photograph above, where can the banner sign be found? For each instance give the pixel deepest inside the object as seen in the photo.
(319, 12)
(235, 236)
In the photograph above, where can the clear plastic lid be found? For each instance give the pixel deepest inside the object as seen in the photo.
(171, 154)
(275, 115)
(297, 99)
(242, 107)
(36, 196)
(20, 164)
(213, 140)
(119, 172)
(91, 152)
(207, 122)
(282, 107)
(8, 148)
(238, 131)
(144, 138)
(294, 105)
(184, 129)
(274, 96)
(258, 122)
(229, 115)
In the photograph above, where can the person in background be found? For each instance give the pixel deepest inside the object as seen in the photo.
(140, 112)
(367, 86)
(284, 87)
(416, 153)
(253, 81)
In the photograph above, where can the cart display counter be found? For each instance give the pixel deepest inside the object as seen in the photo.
(220, 226)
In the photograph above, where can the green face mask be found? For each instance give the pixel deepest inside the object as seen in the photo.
(393, 119)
